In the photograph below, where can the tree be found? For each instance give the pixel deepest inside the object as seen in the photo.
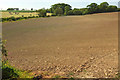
(77, 12)
(104, 4)
(70, 12)
(31, 9)
(111, 8)
(60, 6)
(67, 8)
(84, 11)
(10, 9)
(103, 7)
(118, 9)
(42, 12)
(23, 9)
(92, 8)
(58, 12)
(75, 9)
(49, 10)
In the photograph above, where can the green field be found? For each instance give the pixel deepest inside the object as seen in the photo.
(18, 14)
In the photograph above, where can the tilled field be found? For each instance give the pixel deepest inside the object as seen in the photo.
(72, 46)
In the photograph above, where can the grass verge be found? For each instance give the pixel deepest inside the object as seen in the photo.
(9, 72)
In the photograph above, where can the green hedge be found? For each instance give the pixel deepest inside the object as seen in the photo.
(16, 19)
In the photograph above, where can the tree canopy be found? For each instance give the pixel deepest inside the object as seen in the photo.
(65, 9)
(42, 12)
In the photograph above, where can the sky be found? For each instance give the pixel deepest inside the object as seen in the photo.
(38, 4)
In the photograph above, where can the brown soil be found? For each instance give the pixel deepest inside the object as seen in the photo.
(72, 46)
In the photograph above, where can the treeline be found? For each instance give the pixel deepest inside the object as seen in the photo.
(16, 18)
(94, 8)
(62, 9)
(65, 9)
(17, 9)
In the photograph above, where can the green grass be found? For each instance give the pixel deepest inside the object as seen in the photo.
(70, 74)
(9, 72)
(57, 76)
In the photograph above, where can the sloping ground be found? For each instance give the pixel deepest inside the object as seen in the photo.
(72, 46)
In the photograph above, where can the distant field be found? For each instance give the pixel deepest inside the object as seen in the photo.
(69, 46)
(18, 14)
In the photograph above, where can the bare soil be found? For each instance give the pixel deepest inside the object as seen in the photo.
(69, 46)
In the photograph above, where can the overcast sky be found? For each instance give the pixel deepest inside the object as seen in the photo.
(37, 4)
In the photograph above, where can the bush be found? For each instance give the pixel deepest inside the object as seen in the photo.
(0, 19)
(70, 12)
(37, 16)
(33, 16)
(3, 19)
(8, 71)
(30, 17)
(53, 14)
(48, 16)
(42, 12)
(18, 18)
(111, 8)
(9, 19)
(13, 18)
(77, 12)
(118, 9)
(25, 17)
